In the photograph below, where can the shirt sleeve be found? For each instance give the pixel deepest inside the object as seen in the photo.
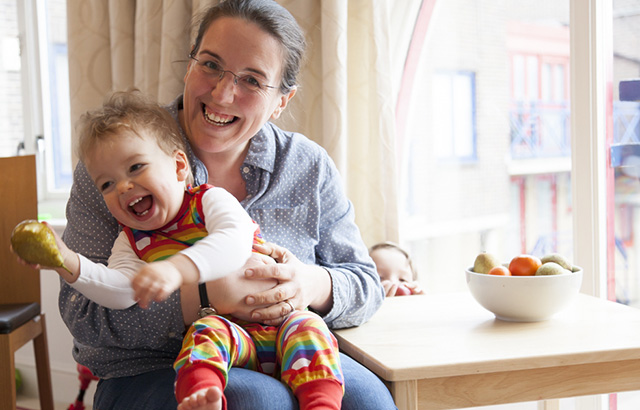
(357, 292)
(227, 246)
(110, 286)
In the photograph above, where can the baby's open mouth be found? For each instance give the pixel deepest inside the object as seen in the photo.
(141, 205)
(217, 119)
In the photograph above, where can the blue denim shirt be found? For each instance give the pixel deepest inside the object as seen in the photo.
(294, 193)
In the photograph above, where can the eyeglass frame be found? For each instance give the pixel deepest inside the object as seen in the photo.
(236, 77)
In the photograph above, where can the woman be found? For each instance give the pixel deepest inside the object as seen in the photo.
(242, 73)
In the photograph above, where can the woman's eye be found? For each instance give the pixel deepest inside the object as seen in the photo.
(251, 81)
(211, 65)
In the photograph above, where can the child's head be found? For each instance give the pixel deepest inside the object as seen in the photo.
(392, 262)
(135, 155)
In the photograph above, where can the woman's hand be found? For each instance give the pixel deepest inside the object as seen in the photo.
(298, 286)
(227, 295)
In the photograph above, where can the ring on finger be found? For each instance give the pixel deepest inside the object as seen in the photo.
(290, 305)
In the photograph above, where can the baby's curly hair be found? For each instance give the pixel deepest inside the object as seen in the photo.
(128, 111)
(391, 245)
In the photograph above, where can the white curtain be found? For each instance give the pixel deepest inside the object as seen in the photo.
(345, 101)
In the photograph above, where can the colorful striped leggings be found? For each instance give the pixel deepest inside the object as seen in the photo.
(300, 350)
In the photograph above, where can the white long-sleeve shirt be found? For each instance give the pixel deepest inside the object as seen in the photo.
(224, 250)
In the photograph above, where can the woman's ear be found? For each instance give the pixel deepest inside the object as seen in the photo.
(182, 165)
(284, 100)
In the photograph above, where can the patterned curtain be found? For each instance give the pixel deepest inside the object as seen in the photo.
(345, 101)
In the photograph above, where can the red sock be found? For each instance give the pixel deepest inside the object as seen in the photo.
(198, 377)
(320, 394)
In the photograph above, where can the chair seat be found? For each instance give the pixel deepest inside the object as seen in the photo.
(15, 315)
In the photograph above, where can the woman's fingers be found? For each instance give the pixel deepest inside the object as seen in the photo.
(271, 271)
(283, 291)
(275, 313)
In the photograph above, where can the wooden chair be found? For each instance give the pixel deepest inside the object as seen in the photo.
(21, 318)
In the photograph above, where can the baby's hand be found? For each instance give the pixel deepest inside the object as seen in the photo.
(401, 289)
(414, 287)
(155, 282)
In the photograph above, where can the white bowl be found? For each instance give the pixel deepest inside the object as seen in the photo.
(524, 298)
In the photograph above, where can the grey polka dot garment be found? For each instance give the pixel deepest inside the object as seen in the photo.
(294, 193)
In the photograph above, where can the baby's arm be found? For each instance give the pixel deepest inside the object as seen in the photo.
(110, 286)
(225, 249)
(107, 286)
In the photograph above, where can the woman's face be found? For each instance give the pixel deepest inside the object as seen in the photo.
(220, 116)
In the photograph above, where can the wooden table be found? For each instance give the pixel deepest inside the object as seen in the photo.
(446, 351)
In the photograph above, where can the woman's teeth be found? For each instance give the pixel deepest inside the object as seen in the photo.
(216, 119)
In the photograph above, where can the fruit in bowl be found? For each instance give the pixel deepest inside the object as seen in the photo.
(528, 290)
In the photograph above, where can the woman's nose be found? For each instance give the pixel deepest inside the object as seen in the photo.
(225, 88)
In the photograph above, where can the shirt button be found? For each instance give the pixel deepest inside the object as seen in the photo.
(73, 298)
(172, 334)
(245, 170)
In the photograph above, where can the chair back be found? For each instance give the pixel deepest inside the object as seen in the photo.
(18, 201)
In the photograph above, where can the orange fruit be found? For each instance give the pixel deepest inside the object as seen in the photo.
(524, 265)
(500, 270)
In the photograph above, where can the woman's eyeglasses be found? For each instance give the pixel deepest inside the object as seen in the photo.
(247, 82)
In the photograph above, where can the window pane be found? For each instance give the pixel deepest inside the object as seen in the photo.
(10, 80)
(442, 115)
(463, 114)
(56, 97)
(532, 78)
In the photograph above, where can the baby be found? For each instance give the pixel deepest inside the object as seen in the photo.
(396, 271)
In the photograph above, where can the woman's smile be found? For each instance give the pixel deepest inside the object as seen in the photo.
(217, 119)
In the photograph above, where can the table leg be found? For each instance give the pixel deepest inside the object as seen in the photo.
(405, 394)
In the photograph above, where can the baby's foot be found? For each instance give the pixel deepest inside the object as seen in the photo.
(205, 399)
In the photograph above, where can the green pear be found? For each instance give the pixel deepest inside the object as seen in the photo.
(557, 258)
(485, 262)
(34, 242)
(551, 268)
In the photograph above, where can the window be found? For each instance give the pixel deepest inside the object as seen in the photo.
(522, 198)
(34, 93)
(491, 96)
(454, 115)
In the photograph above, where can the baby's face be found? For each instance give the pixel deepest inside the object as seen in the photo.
(141, 185)
(392, 265)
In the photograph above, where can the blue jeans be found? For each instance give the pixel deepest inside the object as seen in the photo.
(245, 389)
